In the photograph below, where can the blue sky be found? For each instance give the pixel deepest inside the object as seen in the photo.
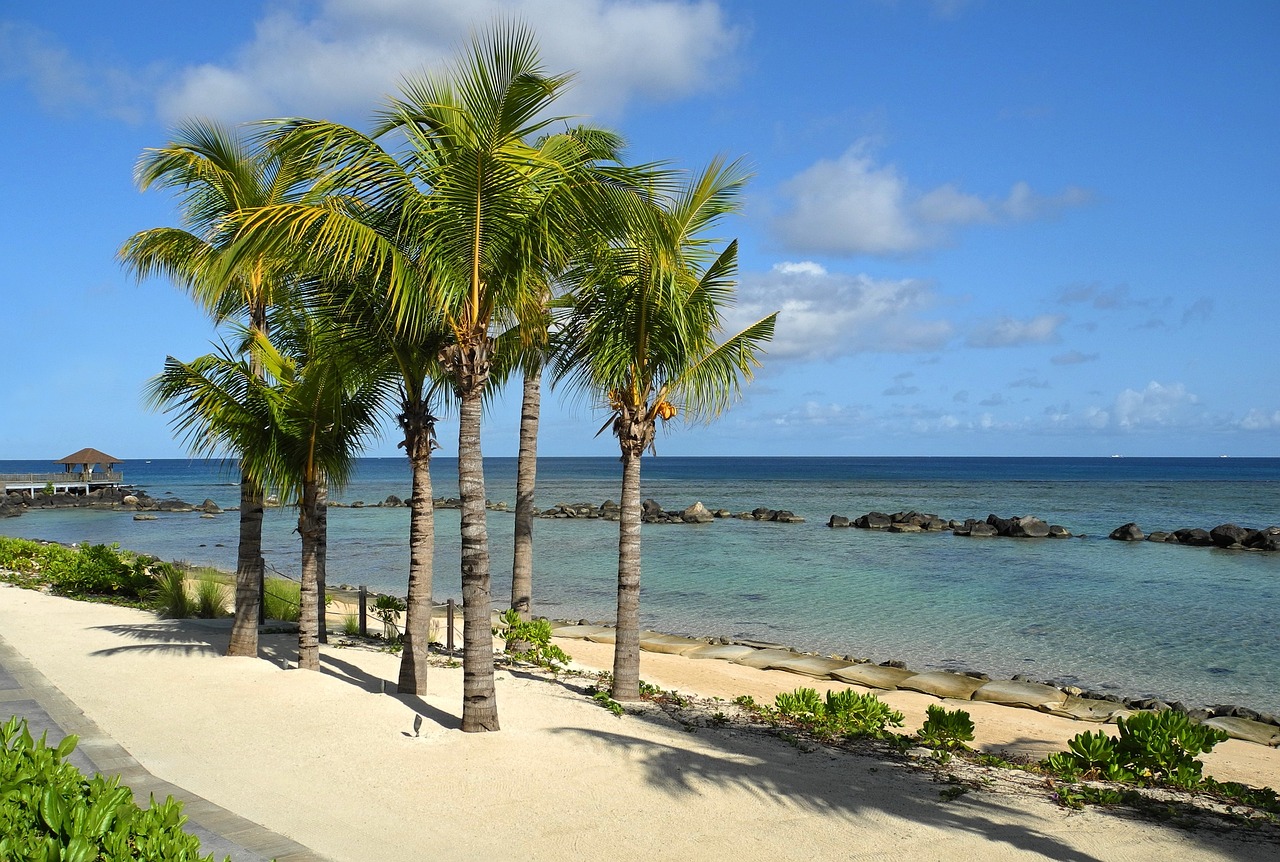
(992, 228)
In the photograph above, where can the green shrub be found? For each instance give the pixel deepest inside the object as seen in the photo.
(170, 596)
(1153, 748)
(282, 598)
(50, 811)
(211, 597)
(98, 570)
(843, 713)
(388, 610)
(535, 638)
(351, 625)
(946, 729)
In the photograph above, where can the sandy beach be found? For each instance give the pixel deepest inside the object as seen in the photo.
(331, 761)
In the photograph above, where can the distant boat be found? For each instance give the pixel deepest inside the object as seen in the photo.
(1117, 456)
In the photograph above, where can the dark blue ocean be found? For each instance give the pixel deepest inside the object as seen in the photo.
(1193, 624)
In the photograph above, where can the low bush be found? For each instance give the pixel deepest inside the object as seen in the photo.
(1152, 748)
(530, 640)
(843, 713)
(211, 597)
(946, 729)
(50, 811)
(170, 596)
(87, 571)
(282, 599)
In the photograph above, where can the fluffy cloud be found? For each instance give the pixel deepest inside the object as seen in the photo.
(1154, 406)
(344, 56)
(853, 205)
(1260, 420)
(1010, 332)
(824, 315)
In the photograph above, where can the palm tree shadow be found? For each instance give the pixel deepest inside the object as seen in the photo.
(362, 679)
(756, 764)
(191, 638)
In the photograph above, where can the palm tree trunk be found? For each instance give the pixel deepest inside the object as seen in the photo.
(244, 631)
(470, 366)
(308, 622)
(322, 558)
(626, 651)
(526, 477)
(418, 437)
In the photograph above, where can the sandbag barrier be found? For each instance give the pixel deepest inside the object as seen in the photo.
(1065, 701)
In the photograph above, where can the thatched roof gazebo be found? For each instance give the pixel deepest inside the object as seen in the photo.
(87, 460)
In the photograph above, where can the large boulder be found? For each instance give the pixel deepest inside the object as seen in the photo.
(838, 521)
(1058, 532)
(982, 529)
(873, 521)
(1266, 539)
(1028, 527)
(697, 514)
(650, 510)
(210, 508)
(1002, 525)
(1129, 532)
(783, 516)
(1228, 535)
(1194, 536)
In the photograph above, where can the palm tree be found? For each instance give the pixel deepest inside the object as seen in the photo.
(482, 209)
(640, 332)
(217, 176)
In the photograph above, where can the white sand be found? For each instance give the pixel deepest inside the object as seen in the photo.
(328, 760)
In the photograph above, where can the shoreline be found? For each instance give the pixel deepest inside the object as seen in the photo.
(206, 722)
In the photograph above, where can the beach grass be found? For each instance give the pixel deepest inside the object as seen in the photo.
(282, 599)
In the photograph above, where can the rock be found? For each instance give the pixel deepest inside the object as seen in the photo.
(873, 521)
(1031, 695)
(763, 514)
(650, 510)
(1159, 536)
(209, 507)
(982, 529)
(697, 514)
(142, 517)
(838, 521)
(1228, 535)
(129, 500)
(207, 515)
(1002, 525)
(905, 528)
(1193, 536)
(392, 500)
(782, 516)
(1058, 532)
(1129, 532)
(1266, 539)
(1028, 527)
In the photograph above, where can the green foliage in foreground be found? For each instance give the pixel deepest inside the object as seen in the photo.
(87, 571)
(282, 599)
(49, 811)
(535, 636)
(946, 729)
(1153, 748)
(843, 713)
(171, 597)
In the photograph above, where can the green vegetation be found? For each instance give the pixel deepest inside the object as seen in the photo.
(171, 597)
(211, 597)
(535, 636)
(1156, 748)
(282, 599)
(839, 715)
(50, 811)
(388, 610)
(351, 625)
(946, 729)
(98, 571)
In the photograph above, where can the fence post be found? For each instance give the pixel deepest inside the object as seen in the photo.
(364, 611)
(449, 635)
(262, 592)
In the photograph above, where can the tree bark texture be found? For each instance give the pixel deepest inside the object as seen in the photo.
(244, 630)
(526, 478)
(419, 436)
(308, 622)
(469, 364)
(322, 559)
(626, 650)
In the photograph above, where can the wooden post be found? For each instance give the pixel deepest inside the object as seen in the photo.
(364, 611)
(449, 623)
(262, 593)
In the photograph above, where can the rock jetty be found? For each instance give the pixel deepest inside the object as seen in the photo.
(1020, 527)
(651, 512)
(1227, 536)
(122, 499)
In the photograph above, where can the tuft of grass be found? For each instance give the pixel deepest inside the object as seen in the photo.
(211, 597)
(283, 599)
(171, 598)
(351, 625)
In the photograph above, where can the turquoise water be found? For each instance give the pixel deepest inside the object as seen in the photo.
(1192, 624)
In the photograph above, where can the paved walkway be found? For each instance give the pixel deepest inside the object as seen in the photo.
(26, 693)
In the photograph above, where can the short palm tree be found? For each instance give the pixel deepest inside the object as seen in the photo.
(639, 333)
(217, 176)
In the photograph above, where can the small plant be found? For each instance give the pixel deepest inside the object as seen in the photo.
(351, 625)
(388, 610)
(1152, 748)
(946, 729)
(211, 597)
(48, 489)
(603, 699)
(170, 595)
(282, 599)
(844, 713)
(530, 640)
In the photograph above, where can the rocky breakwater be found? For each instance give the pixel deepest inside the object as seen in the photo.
(1020, 527)
(121, 499)
(1228, 536)
(394, 502)
(651, 512)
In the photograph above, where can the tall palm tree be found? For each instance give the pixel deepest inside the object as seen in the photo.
(640, 333)
(482, 207)
(216, 176)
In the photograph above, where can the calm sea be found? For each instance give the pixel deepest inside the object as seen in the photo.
(1193, 624)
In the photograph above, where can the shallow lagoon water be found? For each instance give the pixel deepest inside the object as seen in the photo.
(1192, 624)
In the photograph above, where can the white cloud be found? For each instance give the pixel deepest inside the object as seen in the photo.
(1010, 332)
(824, 315)
(346, 55)
(854, 205)
(1260, 420)
(1154, 406)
